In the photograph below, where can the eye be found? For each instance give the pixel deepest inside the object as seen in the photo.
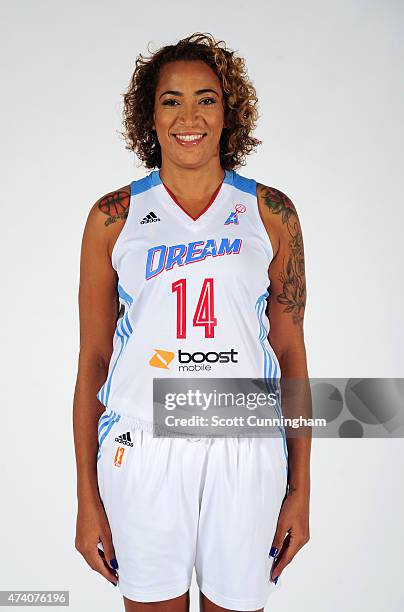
(168, 102)
(173, 101)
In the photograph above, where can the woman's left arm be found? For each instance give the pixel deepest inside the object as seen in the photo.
(286, 306)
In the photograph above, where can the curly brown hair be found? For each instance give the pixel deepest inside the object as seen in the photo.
(239, 100)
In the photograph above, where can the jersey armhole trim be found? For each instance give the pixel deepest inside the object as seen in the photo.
(123, 230)
(261, 223)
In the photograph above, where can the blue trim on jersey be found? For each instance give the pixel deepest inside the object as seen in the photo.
(106, 422)
(108, 382)
(102, 419)
(155, 178)
(141, 185)
(271, 371)
(129, 326)
(124, 295)
(245, 184)
(123, 331)
(231, 177)
(270, 367)
(113, 418)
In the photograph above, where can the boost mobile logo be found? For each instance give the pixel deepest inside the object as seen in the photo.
(193, 361)
(161, 359)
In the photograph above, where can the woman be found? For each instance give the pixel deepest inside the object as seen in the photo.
(161, 505)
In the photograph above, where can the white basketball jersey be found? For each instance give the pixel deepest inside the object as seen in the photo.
(192, 293)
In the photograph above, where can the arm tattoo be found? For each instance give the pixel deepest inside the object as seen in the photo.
(290, 489)
(292, 277)
(115, 205)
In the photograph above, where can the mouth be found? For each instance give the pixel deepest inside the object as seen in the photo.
(189, 140)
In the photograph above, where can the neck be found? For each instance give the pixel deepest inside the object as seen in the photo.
(192, 184)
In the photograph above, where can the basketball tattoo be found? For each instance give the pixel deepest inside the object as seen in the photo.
(115, 205)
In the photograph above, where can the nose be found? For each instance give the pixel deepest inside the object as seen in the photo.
(188, 114)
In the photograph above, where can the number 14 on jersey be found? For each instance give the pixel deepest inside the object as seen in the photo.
(204, 312)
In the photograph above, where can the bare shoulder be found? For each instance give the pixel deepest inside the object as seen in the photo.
(278, 214)
(107, 216)
(98, 299)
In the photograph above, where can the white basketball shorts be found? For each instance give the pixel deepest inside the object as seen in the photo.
(178, 503)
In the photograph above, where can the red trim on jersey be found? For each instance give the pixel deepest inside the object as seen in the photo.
(203, 211)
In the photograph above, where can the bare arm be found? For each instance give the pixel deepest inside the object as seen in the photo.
(98, 310)
(286, 306)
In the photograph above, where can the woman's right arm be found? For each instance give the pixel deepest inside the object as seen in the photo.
(98, 312)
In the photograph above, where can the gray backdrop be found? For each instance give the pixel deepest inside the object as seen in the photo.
(328, 76)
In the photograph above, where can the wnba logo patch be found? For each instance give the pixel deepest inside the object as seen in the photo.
(119, 456)
(233, 217)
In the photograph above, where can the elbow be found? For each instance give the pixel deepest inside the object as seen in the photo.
(94, 357)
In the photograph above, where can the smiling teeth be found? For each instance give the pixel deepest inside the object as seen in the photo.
(189, 138)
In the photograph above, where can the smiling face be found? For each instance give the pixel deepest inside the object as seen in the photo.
(188, 114)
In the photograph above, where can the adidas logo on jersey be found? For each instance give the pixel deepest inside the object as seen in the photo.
(124, 439)
(150, 218)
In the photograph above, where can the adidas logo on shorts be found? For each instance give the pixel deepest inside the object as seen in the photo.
(150, 218)
(124, 439)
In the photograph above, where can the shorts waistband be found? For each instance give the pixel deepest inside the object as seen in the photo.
(149, 426)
